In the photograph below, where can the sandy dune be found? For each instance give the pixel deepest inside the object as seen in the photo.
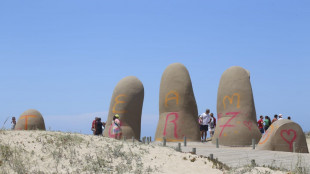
(57, 152)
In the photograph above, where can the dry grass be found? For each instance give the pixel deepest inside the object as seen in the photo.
(64, 152)
(56, 152)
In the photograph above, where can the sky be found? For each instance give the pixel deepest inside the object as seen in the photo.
(64, 58)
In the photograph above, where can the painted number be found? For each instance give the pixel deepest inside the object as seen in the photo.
(119, 101)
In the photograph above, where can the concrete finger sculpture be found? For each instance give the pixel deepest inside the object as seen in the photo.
(127, 102)
(30, 120)
(237, 124)
(177, 106)
(281, 136)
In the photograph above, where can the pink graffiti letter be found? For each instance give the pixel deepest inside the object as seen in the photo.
(226, 124)
(172, 121)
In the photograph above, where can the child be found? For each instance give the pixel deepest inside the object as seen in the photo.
(13, 123)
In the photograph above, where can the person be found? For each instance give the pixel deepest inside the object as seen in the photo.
(93, 126)
(280, 117)
(205, 117)
(13, 123)
(267, 123)
(260, 124)
(275, 118)
(103, 124)
(269, 120)
(98, 127)
(117, 130)
(212, 125)
(289, 117)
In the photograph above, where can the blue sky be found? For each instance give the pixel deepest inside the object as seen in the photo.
(64, 58)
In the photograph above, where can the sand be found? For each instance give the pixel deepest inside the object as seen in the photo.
(58, 152)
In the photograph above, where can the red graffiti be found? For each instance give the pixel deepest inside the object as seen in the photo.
(173, 121)
(288, 132)
(219, 115)
(226, 124)
(248, 124)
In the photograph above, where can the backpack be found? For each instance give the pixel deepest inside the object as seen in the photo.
(212, 123)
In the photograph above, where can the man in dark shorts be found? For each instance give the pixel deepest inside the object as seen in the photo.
(205, 120)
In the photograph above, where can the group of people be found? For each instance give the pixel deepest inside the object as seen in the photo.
(98, 126)
(207, 122)
(263, 124)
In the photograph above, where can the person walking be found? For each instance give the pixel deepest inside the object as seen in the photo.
(260, 124)
(275, 118)
(205, 117)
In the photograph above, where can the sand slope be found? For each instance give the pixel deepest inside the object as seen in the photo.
(39, 152)
(56, 152)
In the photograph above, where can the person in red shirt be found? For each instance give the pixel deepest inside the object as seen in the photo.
(261, 124)
(93, 125)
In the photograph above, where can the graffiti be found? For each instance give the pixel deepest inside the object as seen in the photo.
(176, 115)
(248, 124)
(219, 115)
(230, 100)
(234, 115)
(117, 101)
(289, 139)
(267, 134)
(174, 97)
(26, 119)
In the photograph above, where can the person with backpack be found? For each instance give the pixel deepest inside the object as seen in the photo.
(98, 127)
(117, 130)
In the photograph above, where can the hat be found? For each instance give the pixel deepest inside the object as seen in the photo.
(116, 115)
(280, 115)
